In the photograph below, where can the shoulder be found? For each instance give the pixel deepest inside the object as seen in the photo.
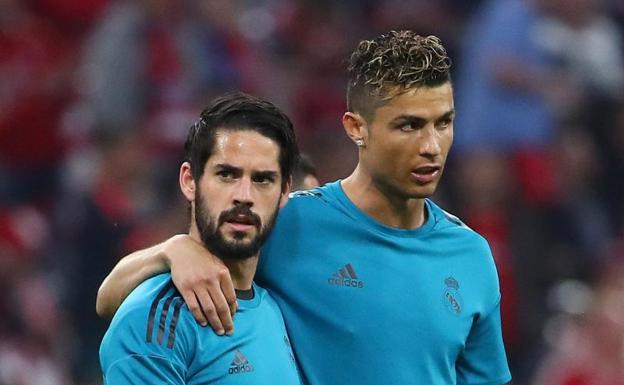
(444, 220)
(152, 321)
(320, 196)
(307, 206)
(151, 299)
(268, 301)
(454, 231)
(475, 257)
(265, 315)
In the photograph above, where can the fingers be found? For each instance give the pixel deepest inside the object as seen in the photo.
(221, 312)
(209, 309)
(192, 302)
(208, 306)
(204, 282)
(229, 293)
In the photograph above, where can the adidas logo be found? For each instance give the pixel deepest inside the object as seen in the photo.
(346, 277)
(240, 364)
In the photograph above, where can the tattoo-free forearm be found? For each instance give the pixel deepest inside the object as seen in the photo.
(129, 272)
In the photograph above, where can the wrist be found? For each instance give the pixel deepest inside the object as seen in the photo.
(166, 250)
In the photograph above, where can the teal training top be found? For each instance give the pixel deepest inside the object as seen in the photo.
(365, 303)
(153, 339)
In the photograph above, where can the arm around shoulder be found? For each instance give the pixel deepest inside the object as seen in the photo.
(129, 272)
(202, 279)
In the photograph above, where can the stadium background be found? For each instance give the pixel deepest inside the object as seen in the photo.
(96, 97)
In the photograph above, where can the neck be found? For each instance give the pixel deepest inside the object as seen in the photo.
(241, 271)
(383, 203)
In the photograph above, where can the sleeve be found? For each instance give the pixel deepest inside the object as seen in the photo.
(148, 345)
(483, 360)
(138, 369)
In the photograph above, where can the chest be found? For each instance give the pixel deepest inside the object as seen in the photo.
(408, 290)
(258, 353)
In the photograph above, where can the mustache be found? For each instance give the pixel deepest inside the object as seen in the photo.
(240, 213)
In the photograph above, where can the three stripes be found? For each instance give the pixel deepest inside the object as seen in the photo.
(346, 272)
(174, 298)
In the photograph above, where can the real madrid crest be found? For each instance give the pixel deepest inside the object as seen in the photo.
(452, 298)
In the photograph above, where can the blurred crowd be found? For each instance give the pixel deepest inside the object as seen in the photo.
(96, 98)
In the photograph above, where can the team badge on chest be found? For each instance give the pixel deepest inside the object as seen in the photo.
(452, 298)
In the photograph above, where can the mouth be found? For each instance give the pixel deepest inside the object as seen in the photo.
(241, 223)
(426, 174)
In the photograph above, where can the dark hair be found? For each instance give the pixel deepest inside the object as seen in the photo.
(391, 64)
(303, 168)
(239, 111)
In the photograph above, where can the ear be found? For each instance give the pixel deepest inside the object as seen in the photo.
(285, 193)
(187, 183)
(356, 128)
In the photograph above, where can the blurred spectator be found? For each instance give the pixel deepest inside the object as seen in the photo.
(304, 175)
(73, 18)
(537, 88)
(584, 44)
(35, 353)
(502, 82)
(588, 347)
(98, 224)
(137, 61)
(34, 67)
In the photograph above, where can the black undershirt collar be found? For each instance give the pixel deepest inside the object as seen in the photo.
(245, 294)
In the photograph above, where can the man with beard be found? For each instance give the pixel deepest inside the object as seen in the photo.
(239, 159)
(378, 284)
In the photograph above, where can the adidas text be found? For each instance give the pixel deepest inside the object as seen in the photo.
(345, 282)
(241, 369)
(346, 276)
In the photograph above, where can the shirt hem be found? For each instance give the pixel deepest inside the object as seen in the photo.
(499, 381)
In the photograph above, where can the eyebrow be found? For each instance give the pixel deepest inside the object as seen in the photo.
(227, 167)
(405, 118)
(238, 170)
(265, 174)
(420, 120)
(447, 115)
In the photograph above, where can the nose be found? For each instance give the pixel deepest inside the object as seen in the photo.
(242, 194)
(430, 142)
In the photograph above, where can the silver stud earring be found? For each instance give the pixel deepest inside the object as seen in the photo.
(359, 142)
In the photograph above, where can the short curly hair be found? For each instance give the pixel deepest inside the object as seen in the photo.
(391, 64)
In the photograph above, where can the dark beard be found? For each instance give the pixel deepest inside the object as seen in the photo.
(213, 239)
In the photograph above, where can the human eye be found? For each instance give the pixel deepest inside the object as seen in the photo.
(225, 175)
(445, 122)
(264, 179)
(407, 127)
(411, 124)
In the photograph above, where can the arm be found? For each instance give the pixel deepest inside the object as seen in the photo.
(202, 279)
(144, 369)
(129, 272)
(483, 360)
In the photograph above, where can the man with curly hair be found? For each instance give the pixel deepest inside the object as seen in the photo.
(378, 285)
